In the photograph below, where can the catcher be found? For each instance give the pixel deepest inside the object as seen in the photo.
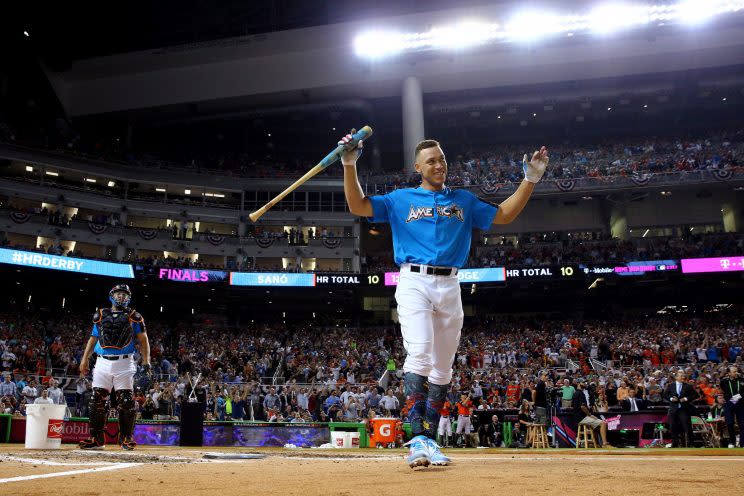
(113, 338)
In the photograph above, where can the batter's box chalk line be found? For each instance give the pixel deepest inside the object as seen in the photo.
(233, 456)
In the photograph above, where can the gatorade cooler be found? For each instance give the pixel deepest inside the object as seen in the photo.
(384, 432)
(44, 425)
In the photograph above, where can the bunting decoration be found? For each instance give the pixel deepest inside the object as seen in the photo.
(19, 217)
(97, 228)
(264, 242)
(723, 174)
(147, 234)
(565, 185)
(640, 179)
(215, 239)
(331, 243)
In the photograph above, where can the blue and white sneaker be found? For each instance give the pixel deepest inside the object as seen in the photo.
(435, 455)
(418, 452)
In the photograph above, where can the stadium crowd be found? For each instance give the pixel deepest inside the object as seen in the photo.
(304, 373)
(601, 160)
(499, 164)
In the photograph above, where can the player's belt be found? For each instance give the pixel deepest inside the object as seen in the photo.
(114, 357)
(433, 271)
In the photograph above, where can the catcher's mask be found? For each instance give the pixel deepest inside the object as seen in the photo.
(120, 295)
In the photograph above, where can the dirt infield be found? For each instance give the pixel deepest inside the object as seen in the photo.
(164, 471)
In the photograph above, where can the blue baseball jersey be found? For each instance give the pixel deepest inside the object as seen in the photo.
(432, 227)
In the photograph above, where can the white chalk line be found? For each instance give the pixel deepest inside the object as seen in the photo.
(117, 466)
(604, 458)
(530, 458)
(37, 461)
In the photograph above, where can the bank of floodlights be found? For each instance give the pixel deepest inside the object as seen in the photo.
(535, 25)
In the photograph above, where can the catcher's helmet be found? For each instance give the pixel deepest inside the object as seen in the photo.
(120, 295)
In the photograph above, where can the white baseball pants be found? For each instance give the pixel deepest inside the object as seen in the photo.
(463, 424)
(431, 317)
(445, 426)
(117, 374)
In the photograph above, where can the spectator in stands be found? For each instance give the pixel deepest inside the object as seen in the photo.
(44, 399)
(8, 387)
(55, 393)
(489, 434)
(567, 392)
(30, 392)
(633, 403)
(718, 410)
(653, 391)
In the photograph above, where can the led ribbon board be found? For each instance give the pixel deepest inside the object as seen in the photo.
(191, 275)
(271, 279)
(723, 264)
(66, 264)
(492, 274)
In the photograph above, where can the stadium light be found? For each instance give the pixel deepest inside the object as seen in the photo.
(530, 26)
(613, 17)
(29, 168)
(111, 184)
(697, 11)
(90, 180)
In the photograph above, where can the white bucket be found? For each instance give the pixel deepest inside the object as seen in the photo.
(44, 426)
(353, 439)
(340, 439)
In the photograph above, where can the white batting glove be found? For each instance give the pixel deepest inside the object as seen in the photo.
(350, 157)
(535, 168)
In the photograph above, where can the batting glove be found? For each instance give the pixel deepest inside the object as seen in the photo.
(350, 156)
(535, 168)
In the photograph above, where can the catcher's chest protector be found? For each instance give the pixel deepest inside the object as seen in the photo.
(115, 328)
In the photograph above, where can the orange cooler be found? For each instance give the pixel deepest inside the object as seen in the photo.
(385, 432)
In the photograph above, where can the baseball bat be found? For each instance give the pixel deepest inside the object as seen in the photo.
(329, 159)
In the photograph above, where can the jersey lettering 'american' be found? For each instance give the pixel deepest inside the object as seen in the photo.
(416, 213)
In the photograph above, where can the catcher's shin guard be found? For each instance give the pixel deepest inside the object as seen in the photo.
(97, 408)
(127, 416)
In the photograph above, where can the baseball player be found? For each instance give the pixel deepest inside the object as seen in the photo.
(445, 425)
(113, 338)
(464, 424)
(432, 227)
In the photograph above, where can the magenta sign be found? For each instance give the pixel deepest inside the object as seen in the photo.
(391, 278)
(723, 264)
(192, 275)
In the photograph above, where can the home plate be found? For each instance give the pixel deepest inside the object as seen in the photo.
(233, 456)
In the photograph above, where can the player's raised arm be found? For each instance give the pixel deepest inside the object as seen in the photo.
(358, 203)
(533, 172)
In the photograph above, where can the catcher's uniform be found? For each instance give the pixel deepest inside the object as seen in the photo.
(116, 331)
